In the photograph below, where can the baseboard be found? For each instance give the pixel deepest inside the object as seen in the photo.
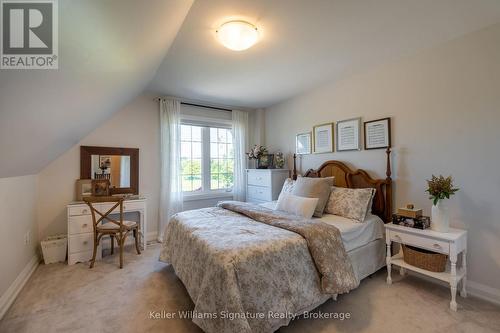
(484, 292)
(475, 289)
(152, 236)
(15, 288)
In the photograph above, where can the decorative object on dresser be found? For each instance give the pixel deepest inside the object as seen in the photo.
(349, 134)
(119, 165)
(118, 230)
(100, 187)
(439, 189)
(303, 143)
(265, 184)
(80, 232)
(259, 153)
(323, 138)
(279, 160)
(377, 133)
(452, 243)
(83, 188)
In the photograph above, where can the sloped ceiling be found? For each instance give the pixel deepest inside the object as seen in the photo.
(113, 50)
(109, 50)
(305, 43)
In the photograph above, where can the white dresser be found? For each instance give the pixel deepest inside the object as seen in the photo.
(80, 231)
(265, 184)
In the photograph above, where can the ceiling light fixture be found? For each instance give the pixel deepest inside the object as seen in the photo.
(237, 35)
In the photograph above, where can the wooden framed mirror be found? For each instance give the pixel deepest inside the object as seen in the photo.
(119, 165)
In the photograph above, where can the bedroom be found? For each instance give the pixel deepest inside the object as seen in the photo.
(126, 71)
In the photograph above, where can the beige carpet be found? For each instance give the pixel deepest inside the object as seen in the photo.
(61, 298)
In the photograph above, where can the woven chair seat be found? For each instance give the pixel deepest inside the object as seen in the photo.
(128, 225)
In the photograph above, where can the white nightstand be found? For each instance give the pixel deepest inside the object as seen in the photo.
(451, 243)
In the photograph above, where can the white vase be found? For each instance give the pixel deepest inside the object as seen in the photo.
(440, 219)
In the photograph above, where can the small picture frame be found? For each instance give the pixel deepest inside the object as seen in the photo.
(266, 161)
(349, 134)
(83, 189)
(378, 133)
(303, 143)
(100, 187)
(323, 138)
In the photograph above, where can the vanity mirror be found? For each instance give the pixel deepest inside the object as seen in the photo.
(118, 165)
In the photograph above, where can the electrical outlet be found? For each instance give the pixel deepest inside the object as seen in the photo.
(27, 237)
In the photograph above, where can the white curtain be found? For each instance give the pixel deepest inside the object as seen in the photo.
(170, 183)
(240, 133)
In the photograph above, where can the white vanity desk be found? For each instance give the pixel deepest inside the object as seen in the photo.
(80, 231)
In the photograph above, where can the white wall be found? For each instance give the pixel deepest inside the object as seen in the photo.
(135, 126)
(17, 218)
(445, 109)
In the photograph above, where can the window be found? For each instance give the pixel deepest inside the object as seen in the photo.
(221, 158)
(207, 159)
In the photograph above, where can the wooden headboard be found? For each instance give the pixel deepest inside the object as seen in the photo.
(346, 177)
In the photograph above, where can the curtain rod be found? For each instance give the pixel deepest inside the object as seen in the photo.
(201, 106)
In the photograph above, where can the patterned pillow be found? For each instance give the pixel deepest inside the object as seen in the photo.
(351, 203)
(288, 186)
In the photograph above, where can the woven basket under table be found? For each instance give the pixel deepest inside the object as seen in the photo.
(428, 260)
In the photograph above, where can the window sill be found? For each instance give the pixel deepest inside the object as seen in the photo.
(207, 196)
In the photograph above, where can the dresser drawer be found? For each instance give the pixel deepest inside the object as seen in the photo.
(259, 193)
(79, 210)
(421, 242)
(81, 242)
(259, 178)
(80, 224)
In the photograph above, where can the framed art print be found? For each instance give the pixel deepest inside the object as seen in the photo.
(349, 134)
(303, 143)
(323, 138)
(378, 133)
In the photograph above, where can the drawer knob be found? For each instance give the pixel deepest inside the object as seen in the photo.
(436, 246)
(85, 211)
(124, 207)
(85, 242)
(84, 225)
(397, 237)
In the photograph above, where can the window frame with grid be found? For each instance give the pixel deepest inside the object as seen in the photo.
(207, 156)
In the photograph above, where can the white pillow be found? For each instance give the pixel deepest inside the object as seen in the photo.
(296, 205)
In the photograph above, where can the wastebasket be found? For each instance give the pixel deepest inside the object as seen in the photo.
(54, 249)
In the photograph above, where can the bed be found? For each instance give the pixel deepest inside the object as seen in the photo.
(249, 268)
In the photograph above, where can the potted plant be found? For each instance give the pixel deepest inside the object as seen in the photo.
(256, 153)
(439, 189)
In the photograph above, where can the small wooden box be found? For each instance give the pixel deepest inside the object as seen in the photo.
(413, 213)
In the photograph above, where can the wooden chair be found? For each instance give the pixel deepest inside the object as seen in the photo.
(115, 229)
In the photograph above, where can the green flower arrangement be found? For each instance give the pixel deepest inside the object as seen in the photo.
(440, 188)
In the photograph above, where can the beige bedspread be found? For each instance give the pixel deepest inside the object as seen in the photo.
(256, 265)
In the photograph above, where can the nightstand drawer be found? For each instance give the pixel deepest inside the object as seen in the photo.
(259, 193)
(421, 242)
(259, 178)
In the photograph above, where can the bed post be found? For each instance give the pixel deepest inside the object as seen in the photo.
(388, 188)
(294, 174)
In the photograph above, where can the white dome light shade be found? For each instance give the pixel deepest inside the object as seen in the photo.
(237, 35)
